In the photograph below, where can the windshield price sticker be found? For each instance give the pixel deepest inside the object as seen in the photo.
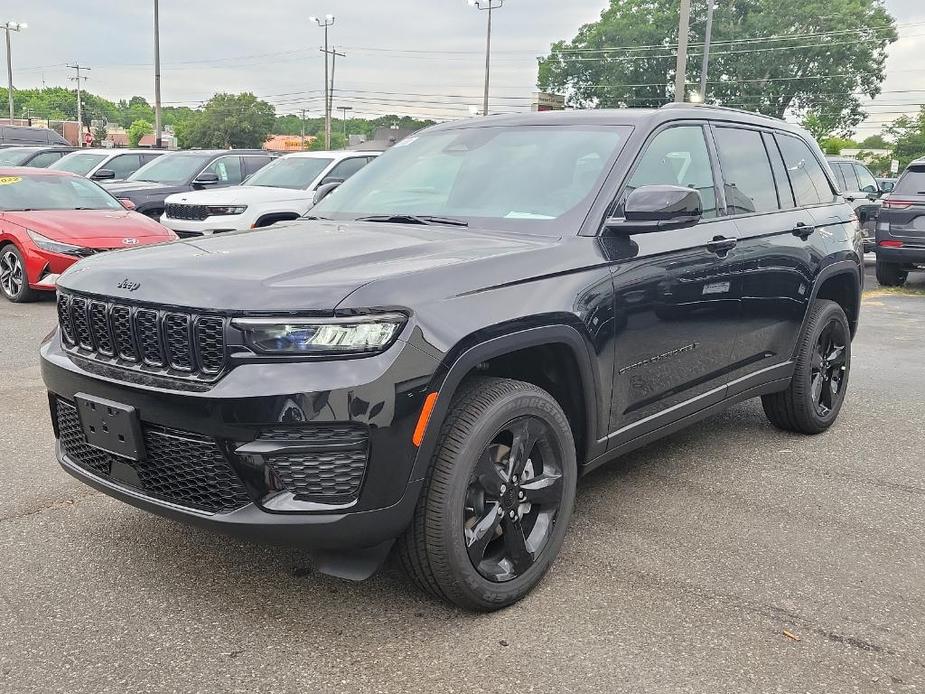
(9, 180)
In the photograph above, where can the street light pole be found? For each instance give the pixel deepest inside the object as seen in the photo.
(11, 26)
(680, 78)
(490, 6)
(324, 23)
(158, 142)
(706, 51)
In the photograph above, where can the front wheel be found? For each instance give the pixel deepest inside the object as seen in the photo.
(889, 274)
(498, 497)
(14, 283)
(817, 389)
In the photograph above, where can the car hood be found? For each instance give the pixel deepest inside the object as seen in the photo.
(238, 195)
(91, 228)
(305, 265)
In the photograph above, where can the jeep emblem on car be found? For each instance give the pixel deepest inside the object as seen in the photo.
(125, 284)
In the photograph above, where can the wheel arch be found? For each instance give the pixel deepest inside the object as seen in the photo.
(272, 217)
(840, 282)
(509, 355)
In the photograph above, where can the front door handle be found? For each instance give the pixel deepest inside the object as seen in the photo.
(803, 230)
(721, 245)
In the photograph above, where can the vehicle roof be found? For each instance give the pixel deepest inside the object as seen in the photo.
(917, 162)
(32, 171)
(328, 154)
(38, 147)
(625, 116)
(848, 160)
(111, 150)
(191, 152)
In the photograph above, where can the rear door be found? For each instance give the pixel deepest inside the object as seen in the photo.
(903, 215)
(254, 163)
(774, 257)
(674, 308)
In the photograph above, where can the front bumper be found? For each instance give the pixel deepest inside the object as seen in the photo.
(381, 395)
(212, 225)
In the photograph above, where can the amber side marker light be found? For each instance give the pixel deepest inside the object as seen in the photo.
(423, 419)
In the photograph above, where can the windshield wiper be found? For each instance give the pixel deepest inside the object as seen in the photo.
(413, 219)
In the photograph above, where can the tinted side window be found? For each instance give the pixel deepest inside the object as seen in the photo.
(228, 169)
(253, 164)
(678, 156)
(809, 182)
(866, 181)
(839, 176)
(40, 161)
(746, 169)
(347, 168)
(784, 192)
(123, 165)
(847, 173)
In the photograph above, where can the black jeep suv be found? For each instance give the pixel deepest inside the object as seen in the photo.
(430, 360)
(901, 228)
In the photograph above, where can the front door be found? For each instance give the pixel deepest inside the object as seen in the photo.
(675, 304)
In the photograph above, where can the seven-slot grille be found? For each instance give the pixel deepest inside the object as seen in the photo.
(141, 337)
(193, 212)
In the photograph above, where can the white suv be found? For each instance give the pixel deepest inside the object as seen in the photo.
(282, 190)
(106, 164)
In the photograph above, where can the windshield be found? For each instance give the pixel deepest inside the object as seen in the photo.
(530, 178)
(79, 163)
(53, 193)
(14, 156)
(290, 172)
(171, 168)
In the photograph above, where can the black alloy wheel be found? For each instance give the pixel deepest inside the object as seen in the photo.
(829, 366)
(512, 500)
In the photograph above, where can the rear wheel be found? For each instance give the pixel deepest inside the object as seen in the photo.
(814, 398)
(889, 274)
(13, 280)
(498, 497)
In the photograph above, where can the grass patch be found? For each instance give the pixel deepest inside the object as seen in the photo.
(894, 291)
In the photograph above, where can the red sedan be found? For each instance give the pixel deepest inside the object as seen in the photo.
(51, 219)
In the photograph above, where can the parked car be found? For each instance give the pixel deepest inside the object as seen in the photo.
(18, 135)
(50, 219)
(430, 358)
(862, 190)
(901, 229)
(179, 172)
(106, 164)
(36, 157)
(280, 191)
(886, 185)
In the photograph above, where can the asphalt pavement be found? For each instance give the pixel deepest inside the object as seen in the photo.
(730, 557)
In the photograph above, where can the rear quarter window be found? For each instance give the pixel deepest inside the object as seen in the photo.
(810, 184)
(912, 182)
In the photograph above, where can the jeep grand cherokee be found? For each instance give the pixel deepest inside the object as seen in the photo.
(429, 361)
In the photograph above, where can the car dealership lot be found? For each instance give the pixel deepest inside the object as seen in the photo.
(686, 563)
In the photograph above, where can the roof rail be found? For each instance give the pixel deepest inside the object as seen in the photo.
(688, 104)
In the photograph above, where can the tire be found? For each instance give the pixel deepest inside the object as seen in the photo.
(889, 274)
(436, 550)
(14, 282)
(806, 407)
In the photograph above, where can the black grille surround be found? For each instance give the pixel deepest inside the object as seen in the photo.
(180, 468)
(319, 462)
(197, 213)
(151, 339)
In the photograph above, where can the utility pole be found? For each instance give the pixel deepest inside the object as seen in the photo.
(680, 78)
(80, 124)
(706, 52)
(490, 6)
(158, 140)
(303, 129)
(345, 109)
(11, 26)
(334, 56)
(324, 23)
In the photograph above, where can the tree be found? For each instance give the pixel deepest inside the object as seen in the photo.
(908, 135)
(99, 134)
(229, 120)
(834, 144)
(777, 57)
(138, 130)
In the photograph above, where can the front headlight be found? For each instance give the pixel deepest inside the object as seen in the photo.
(219, 210)
(47, 244)
(317, 336)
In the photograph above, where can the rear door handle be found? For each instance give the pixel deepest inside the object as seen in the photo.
(721, 244)
(803, 230)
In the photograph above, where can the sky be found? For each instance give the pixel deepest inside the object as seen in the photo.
(418, 57)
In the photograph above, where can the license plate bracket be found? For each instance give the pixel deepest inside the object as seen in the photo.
(110, 426)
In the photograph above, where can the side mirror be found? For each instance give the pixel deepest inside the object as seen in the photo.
(206, 178)
(657, 208)
(127, 204)
(104, 175)
(325, 189)
(330, 179)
